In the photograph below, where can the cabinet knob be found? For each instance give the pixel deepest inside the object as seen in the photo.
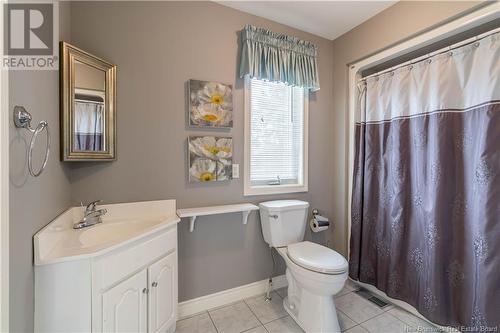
(145, 290)
(154, 284)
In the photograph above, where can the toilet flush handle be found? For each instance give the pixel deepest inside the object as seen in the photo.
(275, 216)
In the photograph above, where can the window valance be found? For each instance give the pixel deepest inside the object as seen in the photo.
(277, 57)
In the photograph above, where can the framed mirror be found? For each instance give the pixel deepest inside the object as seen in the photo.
(88, 106)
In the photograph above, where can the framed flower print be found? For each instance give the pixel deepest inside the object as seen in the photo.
(210, 104)
(210, 158)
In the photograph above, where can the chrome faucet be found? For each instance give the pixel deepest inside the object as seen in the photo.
(91, 216)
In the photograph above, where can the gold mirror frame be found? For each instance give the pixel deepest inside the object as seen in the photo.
(68, 55)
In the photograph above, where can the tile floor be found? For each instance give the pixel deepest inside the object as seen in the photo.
(255, 315)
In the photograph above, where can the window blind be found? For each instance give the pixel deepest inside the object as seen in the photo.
(277, 133)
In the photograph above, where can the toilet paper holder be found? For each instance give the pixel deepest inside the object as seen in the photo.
(318, 222)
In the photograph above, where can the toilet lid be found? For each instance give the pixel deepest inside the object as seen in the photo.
(317, 258)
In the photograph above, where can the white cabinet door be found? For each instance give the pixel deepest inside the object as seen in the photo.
(163, 294)
(124, 307)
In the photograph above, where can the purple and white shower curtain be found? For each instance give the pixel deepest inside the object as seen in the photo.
(425, 224)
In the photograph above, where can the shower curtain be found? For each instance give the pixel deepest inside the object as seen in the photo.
(89, 126)
(425, 224)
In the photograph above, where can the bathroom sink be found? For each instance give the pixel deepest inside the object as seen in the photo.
(112, 232)
(123, 224)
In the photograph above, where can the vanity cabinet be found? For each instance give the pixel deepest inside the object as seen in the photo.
(162, 294)
(126, 286)
(144, 302)
(124, 307)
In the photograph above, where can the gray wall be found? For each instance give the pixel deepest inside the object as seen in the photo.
(157, 47)
(33, 201)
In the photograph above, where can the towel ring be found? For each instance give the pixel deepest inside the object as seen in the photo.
(22, 119)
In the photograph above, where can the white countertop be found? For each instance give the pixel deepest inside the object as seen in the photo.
(123, 224)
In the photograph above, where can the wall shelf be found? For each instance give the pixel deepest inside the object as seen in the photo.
(193, 213)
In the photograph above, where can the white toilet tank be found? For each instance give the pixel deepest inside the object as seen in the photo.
(283, 221)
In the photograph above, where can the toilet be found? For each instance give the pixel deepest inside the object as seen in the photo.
(314, 272)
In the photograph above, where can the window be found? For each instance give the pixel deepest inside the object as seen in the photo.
(275, 138)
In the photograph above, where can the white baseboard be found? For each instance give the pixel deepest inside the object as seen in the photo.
(196, 305)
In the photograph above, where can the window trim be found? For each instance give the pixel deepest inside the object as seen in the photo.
(273, 189)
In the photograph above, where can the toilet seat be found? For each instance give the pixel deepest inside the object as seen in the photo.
(317, 258)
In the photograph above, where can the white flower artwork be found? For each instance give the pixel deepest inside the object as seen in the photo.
(203, 170)
(210, 104)
(210, 158)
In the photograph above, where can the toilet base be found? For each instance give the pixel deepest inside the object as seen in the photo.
(323, 320)
(310, 301)
(292, 313)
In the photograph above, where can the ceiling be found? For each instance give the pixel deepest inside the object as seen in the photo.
(328, 19)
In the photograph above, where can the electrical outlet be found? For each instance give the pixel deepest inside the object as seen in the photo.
(236, 171)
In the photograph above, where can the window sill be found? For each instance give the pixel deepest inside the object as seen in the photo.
(274, 189)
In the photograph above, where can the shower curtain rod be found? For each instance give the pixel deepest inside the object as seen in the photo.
(434, 53)
(87, 101)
